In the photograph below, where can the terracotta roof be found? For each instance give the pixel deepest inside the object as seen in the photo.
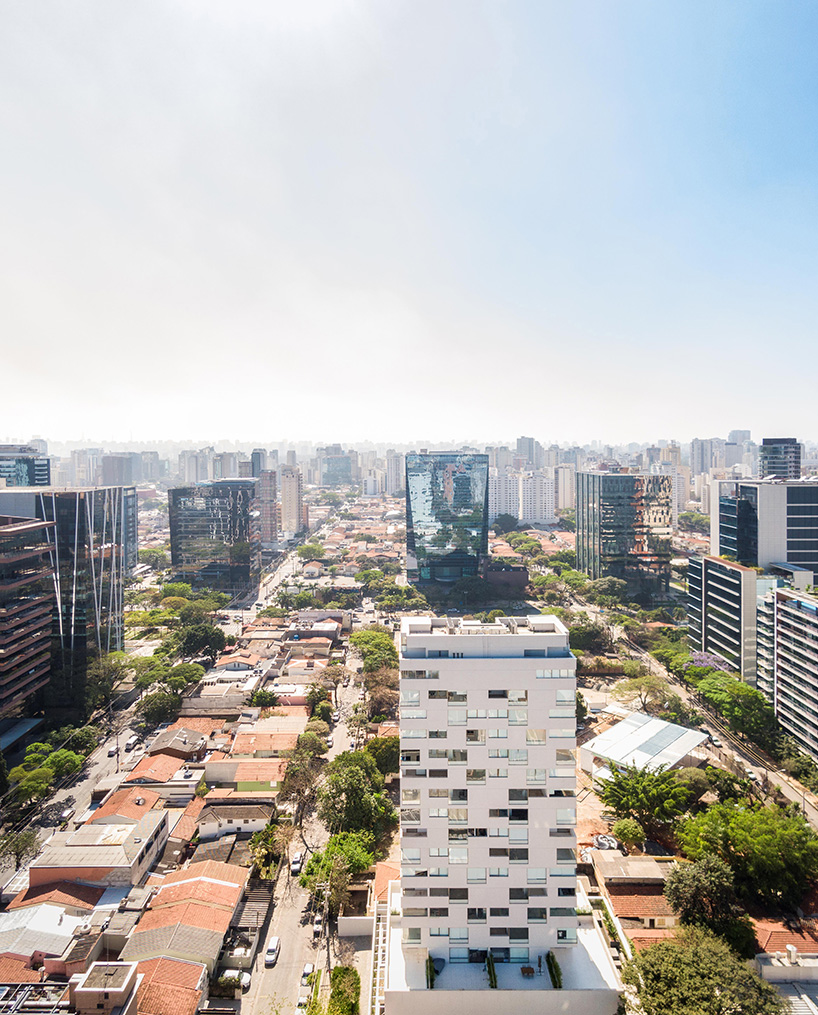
(14, 970)
(173, 972)
(205, 726)
(262, 770)
(185, 827)
(248, 658)
(166, 999)
(249, 743)
(157, 768)
(385, 871)
(642, 937)
(209, 893)
(775, 935)
(122, 804)
(210, 869)
(59, 893)
(191, 914)
(638, 901)
(299, 710)
(217, 756)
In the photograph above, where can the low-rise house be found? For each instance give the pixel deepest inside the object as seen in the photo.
(73, 898)
(634, 889)
(246, 775)
(155, 768)
(171, 987)
(180, 742)
(262, 744)
(33, 933)
(220, 819)
(125, 806)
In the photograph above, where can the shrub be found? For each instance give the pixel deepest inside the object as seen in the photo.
(554, 970)
(344, 998)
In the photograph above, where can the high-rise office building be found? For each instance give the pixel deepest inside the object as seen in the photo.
(214, 538)
(26, 608)
(23, 465)
(624, 529)
(446, 515)
(292, 458)
(565, 487)
(121, 469)
(292, 499)
(780, 456)
(738, 436)
(760, 522)
(93, 548)
(258, 460)
(86, 467)
(267, 508)
(395, 473)
(488, 774)
(532, 451)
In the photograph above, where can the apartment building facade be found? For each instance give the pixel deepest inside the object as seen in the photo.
(488, 811)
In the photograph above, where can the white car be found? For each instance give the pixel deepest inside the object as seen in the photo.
(296, 863)
(306, 973)
(330, 741)
(301, 1005)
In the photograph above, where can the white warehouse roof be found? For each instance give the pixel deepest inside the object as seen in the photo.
(642, 740)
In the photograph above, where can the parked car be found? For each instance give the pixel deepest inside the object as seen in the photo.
(318, 925)
(112, 752)
(273, 951)
(296, 863)
(336, 715)
(330, 741)
(238, 974)
(301, 1004)
(306, 973)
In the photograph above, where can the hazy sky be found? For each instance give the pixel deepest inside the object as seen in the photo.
(345, 220)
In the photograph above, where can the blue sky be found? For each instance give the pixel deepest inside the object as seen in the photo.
(342, 220)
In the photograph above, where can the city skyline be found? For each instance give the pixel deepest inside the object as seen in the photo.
(616, 201)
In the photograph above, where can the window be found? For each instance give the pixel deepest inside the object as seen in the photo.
(413, 713)
(477, 713)
(559, 833)
(410, 698)
(437, 851)
(457, 717)
(566, 732)
(501, 752)
(458, 757)
(478, 833)
(436, 794)
(459, 894)
(414, 893)
(475, 775)
(498, 773)
(476, 915)
(519, 757)
(537, 914)
(498, 694)
(498, 851)
(499, 911)
(438, 812)
(410, 757)
(498, 931)
(536, 874)
(458, 933)
(535, 736)
(562, 911)
(435, 755)
(475, 736)
(565, 758)
(433, 734)
(498, 734)
(518, 855)
(458, 834)
(498, 713)
(407, 911)
(498, 833)
(518, 697)
(438, 931)
(534, 653)
(567, 935)
(518, 933)
(562, 713)
(565, 697)
(439, 913)
(438, 773)
(411, 935)
(438, 654)
(518, 955)
(458, 815)
(498, 872)
(498, 812)
(438, 872)
(458, 696)
(566, 893)
(410, 796)
(435, 694)
(411, 855)
(518, 835)
(458, 955)
(439, 893)
(517, 795)
(476, 874)
(458, 854)
(409, 734)
(535, 775)
(458, 795)
(516, 895)
(410, 815)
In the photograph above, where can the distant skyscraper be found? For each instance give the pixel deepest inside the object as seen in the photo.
(292, 458)
(532, 451)
(23, 465)
(624, 529)
(446, 515)
(266, 495)
(258, 458)
(292, 499)
(780, 456)
(395, 472)
(738, 436)
(121, 469)
(214, 538)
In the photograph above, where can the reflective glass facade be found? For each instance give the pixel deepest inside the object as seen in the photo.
(446, 515)
(21, 465)
(215, 534)
(624, 526)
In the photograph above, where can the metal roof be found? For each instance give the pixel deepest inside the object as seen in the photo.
(645, 741)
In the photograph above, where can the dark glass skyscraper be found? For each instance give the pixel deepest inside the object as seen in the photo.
(446, 515)
(780, 456)
(22, 465)
(624, 528)
(215, 534)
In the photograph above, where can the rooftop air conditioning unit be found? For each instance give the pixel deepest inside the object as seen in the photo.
(139, 801)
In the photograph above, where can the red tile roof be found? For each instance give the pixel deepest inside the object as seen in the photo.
(638, 901)
(122, 803)
(14, 970)
(174, 972)
(642, 937)
(210, 869)
(385, 871)
(165, 999)
(209, 893)
(192, 914)
(185, 827)
(775, 935)
(203, 726)
(157, 768)
(249, 743)
(59, 893)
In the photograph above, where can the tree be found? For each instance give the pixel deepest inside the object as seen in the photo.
(629, 832)
(582, 708)
(356, 850)
(191, 614)
(725, 785)
(19, 846)
(386, 752)
(103, 673)
(377, 649)
(653, 797)
(182, 589)
(63, 762)
(773, 852)
(203, 639)
(696, 973)
(504, 523)
(190, 673)
(317, 726)
(82, 740)
(161, 706)
(264, 850)
(311, 743)
(157, 559)
(607, 589)
(347, 802)
(695, 781)
(31, 785)
(589, 637)
(263, 699)
(323, 711)
(746, 710)
(643, 691)
(310, 551)
(315, 695)
(704, 893)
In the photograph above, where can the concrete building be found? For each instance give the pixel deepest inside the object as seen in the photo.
(488, 811)
(565, 487)
(395, 473)
(267, 508)
(292, 499)
(24, 465)
(504, 494)
(536, 498)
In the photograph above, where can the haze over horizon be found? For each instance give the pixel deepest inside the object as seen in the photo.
(341, 218)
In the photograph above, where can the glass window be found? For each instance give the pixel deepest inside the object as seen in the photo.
(458, 696)
(518, 855)
(476, 915)
(438, 872)
(458, 795)
(498, 693)
(439, 912)
(458, 757)
(518, 933)
(498, 872)
(519, 757)
(518, 697)
(411, 935)
(410, 796)
(458, 895)
(518, 895)
(438, 812)
(566, 697)
(458, 955)
(410, 855)
(437, 851)
(536, 874)
(414, 893)
(437, 755)
(535, 775)
(413, 713)
(433, 734)
(517, 716)
(501, 752)
(409, 698)
(458, 815)
(498, 734)
(535, 736)
(414, 911)
(499, 911)
(410, 815)
(475, 736)
(457, 717)
(498, 713)
(498, 833)
(435, 694)
(435, 794)
(410, 757)
(458, 933)
(565, 758)
(498, 773)
(565, 733)
(498, 812)
(458, 854)
(518, 955)
(477, 713)
(476, 874)
(410, 734)
(517, 795)
(569, 935)
(475, 775)
(438, 931)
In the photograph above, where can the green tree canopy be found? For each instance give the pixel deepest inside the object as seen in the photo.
(182, 589)
(386, 752)
(357, 850)
(702, 892)
(347, 802)
(311, 551)
(772, 852)
(19, 847)
(31, 785)
(63, 762)
(203, 639)
(157, 559)
(504, 523)
(628, 831)
(161, 706)
(377, 649)
(653, 797)
(589, 637)
(696, 973)
(263, 699)
(643, 692)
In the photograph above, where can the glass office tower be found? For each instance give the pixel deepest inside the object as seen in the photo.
(215, 535)
(446, 515)
(624, 529)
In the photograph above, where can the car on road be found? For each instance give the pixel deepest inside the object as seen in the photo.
(237, 974)
(336, 716)
(259, 605)
(296, 863)
(750, 774)
(112, 752)
(273, 951)
(317, 925)
(301, 1004)
(330, 740)
(306, 973)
